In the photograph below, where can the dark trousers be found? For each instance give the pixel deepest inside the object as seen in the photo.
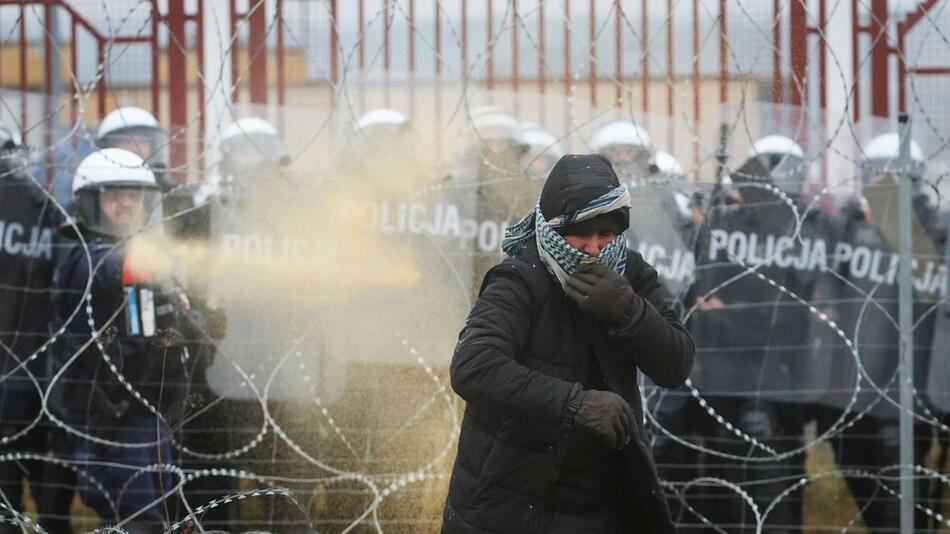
(121, 485)
(778, 425)
(51, 484)
(871, 444)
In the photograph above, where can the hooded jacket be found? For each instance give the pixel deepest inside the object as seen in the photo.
(524, 349)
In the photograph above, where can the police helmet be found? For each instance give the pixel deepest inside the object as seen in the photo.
(136, 130)
(116, 193)
(882, 154)
(628, 146)
(784, 161)
(12, 152)
(544, 150)
(251, 147)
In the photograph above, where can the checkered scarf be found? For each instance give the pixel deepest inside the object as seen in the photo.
(559, 257)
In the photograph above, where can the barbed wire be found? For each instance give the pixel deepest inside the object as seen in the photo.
(318, 137)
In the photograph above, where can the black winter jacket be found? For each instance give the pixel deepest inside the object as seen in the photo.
(519, 355)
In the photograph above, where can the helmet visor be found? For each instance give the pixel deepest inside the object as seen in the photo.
(630, 162)
(148, 142)
(251, 150)
(872, 170)
(120, 210)
(788, 172)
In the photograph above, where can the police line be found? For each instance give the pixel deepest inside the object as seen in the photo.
(445, 219)
(417, 218)
(863, 262)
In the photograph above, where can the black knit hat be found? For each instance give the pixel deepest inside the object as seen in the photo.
(576, 180)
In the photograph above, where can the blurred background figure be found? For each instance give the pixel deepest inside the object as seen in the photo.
(678, 202)
(28, 223)
(250, 153)
(544, 149)
(785, 161)
(867, 265)
(629, 148)
(496, 140)
(490, 169)
(138, 131)
(755, 368)
(381, 153)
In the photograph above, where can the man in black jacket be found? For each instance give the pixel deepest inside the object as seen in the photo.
(547, 363)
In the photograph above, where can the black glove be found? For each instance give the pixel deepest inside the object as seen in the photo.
(603, 293)
(607, 416)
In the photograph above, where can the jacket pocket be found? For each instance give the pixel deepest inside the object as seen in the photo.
(509, 494)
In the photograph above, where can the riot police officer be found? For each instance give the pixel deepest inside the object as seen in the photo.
(866, 262)
(755, 259)
(629, 148)
(660, 222)
(490, 170)
(381, 153)
(544, 150)
(28, 222)
(124, 353)
(138, 131)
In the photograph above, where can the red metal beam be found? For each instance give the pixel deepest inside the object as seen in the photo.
(386, 63)
(412, 36)
(855, 68)
(257, 51)
(618, 52)
(515, 73)
(177, 87)
(279, 53)
(914, 17)
(644, 55)
(24, 48)
(880, 58)
(156, 61)
(542, 76)
(723, 56)
(798, 51)
(776, 51)
(438, 38)
(235, 47)
(200, 60)
(130, 39)
(592, 63)
(73, 66)
(464, 38)
(696, 95)
(929, 70)
(101, 86)
(438, 68)
(386, 29)
(567, 47)
(669, 61)
(412, 58)
(362, 25)
(48, 105)
(490, 67)
(334, 42)
(48, 52)
(823, 50)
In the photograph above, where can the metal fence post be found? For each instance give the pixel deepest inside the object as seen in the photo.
(906, 330)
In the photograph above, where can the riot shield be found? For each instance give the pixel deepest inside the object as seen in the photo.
(760, 314)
